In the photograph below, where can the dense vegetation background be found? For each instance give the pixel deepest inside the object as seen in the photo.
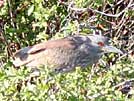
(27, 22)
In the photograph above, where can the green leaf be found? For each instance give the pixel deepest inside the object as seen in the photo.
(30, 10)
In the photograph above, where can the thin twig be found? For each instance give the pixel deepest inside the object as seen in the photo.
(6, 42)
(119, 2)
(122, 22)
(110, 15)
(124, 82)
(11, 13)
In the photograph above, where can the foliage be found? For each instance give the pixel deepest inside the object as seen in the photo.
(27, 22)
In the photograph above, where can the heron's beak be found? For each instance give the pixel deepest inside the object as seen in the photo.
(111, 49)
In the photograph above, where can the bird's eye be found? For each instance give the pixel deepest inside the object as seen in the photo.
(101, 44)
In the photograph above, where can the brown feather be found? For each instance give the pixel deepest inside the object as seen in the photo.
(51, 44)
(29, 54)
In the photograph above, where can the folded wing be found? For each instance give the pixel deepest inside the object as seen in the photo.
(34, 55)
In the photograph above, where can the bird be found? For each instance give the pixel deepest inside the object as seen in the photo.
(65, 54)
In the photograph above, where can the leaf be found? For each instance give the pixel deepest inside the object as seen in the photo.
(30, 10)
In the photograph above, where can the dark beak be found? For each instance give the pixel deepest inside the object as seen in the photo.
(113, 49)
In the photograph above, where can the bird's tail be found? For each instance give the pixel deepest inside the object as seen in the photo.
(22, 57)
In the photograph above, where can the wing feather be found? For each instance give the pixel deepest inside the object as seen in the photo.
(30, 53)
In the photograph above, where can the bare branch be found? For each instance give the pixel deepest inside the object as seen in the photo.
(102, 13)
(124, 82)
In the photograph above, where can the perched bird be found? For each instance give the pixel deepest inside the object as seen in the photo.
(65, 54)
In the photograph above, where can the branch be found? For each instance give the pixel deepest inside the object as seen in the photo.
(124, 82)
(102, 13)
(6, 42)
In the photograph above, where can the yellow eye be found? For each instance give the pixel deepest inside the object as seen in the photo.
(101, 44)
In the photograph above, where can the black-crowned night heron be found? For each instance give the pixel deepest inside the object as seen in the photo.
(65, 54)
